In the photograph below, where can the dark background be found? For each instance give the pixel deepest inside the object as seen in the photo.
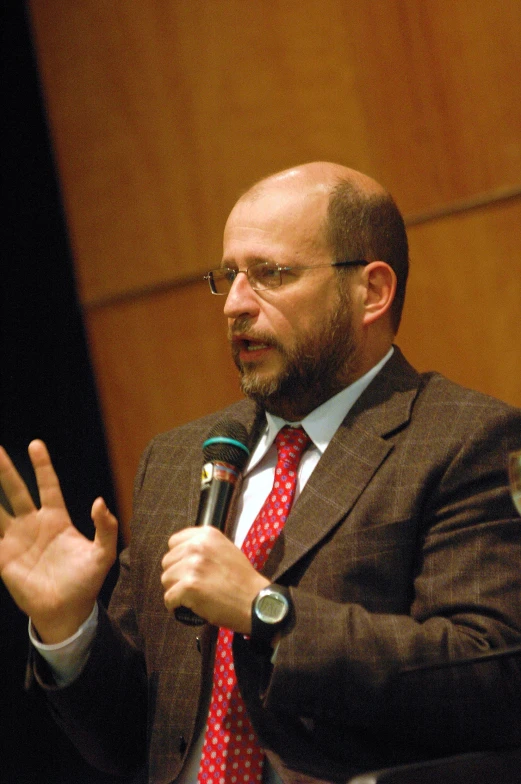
(46, 385)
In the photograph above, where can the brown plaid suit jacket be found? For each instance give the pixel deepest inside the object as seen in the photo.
(403, 549)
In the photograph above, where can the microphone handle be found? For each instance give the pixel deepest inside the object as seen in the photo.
(188, 617)
(214, 504)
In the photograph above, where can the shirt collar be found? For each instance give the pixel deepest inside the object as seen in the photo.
(322, 423)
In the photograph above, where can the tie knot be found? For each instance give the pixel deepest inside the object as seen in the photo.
(291, 443)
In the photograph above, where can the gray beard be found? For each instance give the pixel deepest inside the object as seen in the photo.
(315, 370)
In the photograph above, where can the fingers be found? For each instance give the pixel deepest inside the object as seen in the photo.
(202, 534)
(195, 545)
(48, 484)
(205, 571)
(14, 488)
(182, 565)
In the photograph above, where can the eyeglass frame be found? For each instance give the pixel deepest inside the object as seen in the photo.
(211, 282)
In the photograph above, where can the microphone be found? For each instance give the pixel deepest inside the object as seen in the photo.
(225, 454)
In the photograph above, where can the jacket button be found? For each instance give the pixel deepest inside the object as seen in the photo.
(198, 643)
(182, 744)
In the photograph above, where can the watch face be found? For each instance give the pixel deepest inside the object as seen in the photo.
(272, 607)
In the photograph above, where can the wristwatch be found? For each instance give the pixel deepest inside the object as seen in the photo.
(271, 613)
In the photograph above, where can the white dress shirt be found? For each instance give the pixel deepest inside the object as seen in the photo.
(69, 657)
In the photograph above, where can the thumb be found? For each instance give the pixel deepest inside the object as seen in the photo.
(106, 526)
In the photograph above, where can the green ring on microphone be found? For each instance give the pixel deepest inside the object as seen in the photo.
(225, 440)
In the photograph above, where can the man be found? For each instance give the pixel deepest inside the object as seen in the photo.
(401, 550)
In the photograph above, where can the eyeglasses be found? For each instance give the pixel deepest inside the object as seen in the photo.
(263, 275)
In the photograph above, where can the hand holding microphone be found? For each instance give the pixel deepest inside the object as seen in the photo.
(225, 454)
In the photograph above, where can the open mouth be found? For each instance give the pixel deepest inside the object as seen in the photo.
(244, 346)
(250, 345)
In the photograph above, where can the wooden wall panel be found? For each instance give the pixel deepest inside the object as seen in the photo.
(463, 307)
(440, 97)
(162, 361)
(162, 111)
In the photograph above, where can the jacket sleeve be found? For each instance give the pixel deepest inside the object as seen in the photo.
(104, 710)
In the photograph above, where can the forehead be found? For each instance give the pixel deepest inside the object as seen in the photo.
(275, 223)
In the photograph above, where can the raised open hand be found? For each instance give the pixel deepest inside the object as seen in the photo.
(52, 571)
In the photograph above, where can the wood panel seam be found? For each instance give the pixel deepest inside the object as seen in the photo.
(413, 219)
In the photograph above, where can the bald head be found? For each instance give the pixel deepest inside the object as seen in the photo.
(316, 177)
(354, 216)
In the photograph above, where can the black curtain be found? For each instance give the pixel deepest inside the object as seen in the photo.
(46, 386)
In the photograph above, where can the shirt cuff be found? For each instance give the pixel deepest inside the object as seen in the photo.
(68, 658)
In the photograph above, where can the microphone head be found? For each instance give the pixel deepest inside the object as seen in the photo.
(226, 443)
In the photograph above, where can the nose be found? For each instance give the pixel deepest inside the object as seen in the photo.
(242, 299)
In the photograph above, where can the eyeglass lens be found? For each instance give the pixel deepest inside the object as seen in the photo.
(260, 276)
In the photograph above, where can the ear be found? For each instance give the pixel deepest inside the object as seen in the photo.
(379, 290)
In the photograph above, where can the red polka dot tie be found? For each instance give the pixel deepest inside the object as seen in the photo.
(231, 750)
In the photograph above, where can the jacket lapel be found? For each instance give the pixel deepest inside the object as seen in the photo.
(350, 462)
